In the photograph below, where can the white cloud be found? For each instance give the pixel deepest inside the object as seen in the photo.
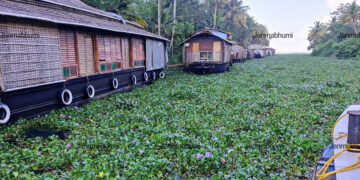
(334, 4)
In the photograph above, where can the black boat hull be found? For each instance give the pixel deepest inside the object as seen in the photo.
(207, 68)
(32, 102)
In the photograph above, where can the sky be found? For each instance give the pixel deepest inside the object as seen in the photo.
(291, 16)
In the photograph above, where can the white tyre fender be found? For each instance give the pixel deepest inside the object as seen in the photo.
(115, 83)
(90, 91)
(133, 79)
(154, 75)
(66, 97)
(162, 75)
(5, 113)
(146, 77)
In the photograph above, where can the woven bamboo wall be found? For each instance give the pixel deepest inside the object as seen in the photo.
(137, 52)
(28, 60)
(227, 53)
(238, 52)
(110, 56)
(68, 53)
(86, 53)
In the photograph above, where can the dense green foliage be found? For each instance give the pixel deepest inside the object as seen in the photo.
(232, 17)
(264, 118)
(329, 40)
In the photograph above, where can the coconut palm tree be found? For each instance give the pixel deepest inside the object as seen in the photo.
(351, 15)
(318, 29)
(235, 14)
(173, 27)
(315, 32)
(218, 4)
(159, 17)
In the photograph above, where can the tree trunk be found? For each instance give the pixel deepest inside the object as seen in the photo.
(159, 17)
(173, 28)
(215, 14)
(354, 26)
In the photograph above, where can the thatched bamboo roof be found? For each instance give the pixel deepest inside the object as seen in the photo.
(69, 12)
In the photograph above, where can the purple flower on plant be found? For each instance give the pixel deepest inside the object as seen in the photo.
(69, 117)
(146, 119)
(53, 171)
(141, 151)
(223, 160)
(39, 153)
(137, 115)
(147, 142)
(77, 124)
(68, 145)
(75, 107)
(134, 141)
(198, 156)
(207, 154)
(62, 115)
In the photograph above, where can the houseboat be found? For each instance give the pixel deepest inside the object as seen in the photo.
(207, 51)
(57, 53)
(269, 51)
(238, 52)
(257, 51)
(250, 53)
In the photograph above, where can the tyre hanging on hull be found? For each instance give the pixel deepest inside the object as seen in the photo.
(162, 75)
(154, 75)
(66, 97)
(133, 79)
(4, 113)
(146, 77)
(115, 83)
(90, 91)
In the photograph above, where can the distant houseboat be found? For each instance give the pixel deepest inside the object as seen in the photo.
(238, 52)
(269, 51)
(257, 51)
(207, 51)
(56, 53)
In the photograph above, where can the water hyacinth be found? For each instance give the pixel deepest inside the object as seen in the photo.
(201, 134)
(39, 153)
(146, 119)
(207, 154)
(53, 171)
